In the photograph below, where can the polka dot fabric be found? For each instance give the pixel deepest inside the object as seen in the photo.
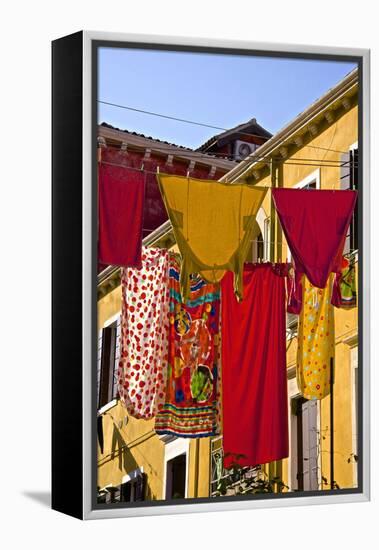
(144, 334)
(316, 340)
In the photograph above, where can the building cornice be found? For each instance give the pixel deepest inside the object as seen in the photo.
(160, 148)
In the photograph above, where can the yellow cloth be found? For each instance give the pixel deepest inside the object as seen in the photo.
(315, 340)
(213, 224)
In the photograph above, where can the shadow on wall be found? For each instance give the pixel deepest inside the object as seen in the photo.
(126, 461)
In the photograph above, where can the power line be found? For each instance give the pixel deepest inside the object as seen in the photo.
(162, 116)
(143, 170)
(206, 125)
(258, 158)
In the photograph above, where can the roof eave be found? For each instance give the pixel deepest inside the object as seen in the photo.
(162, 148)
(293, 128)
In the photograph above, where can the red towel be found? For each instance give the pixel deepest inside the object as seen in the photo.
(254, 377)
(315, 223)
(121, 200)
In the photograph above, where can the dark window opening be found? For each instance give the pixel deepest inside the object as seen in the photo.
(130, 491)
(176, 477)
(311, 185)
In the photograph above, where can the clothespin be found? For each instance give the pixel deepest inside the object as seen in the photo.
(188, 172)
(142, 165)
(101, 142)
(157, 168)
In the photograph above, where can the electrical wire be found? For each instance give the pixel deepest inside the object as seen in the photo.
(206, 125)
(257, 158)
(154, 172)
(161, 116)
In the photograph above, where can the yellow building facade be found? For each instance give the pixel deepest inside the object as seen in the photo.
(319, 150)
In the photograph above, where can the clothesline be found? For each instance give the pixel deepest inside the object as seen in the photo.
(257, 158)
(350, 250)
(142, 169)
(187, 121)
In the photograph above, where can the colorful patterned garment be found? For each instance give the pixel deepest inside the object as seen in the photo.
(190, 409)
(144, 334)
(344, 290)
(315, 340)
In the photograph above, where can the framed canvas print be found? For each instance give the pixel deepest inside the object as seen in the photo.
(210, 275)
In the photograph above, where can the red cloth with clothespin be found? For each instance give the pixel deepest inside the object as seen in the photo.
(121, 206)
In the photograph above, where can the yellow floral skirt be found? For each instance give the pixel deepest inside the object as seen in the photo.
(315, 340)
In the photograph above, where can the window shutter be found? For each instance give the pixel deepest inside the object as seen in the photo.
(107, 362)
(99, 350)
(345, 183)
(345, 171)
(305, 439)
(116, 357)
(354, 185)
(349, 180)
(310, 466)
(100, 433)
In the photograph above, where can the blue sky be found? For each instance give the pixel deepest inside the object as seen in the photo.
(219, 90)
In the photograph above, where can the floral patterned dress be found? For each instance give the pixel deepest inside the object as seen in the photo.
(315, 340)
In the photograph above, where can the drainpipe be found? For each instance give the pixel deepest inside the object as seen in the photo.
(196, 482)
(273, 173)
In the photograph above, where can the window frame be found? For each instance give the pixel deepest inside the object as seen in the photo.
(114, 357)
(175, 446)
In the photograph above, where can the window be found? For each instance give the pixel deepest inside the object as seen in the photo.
(349, 180)
(266, 239)
(176, 453)
(107, 362)
(257, 250)
(131, 490)
(312, 181)
(304, 445)
(176, 477)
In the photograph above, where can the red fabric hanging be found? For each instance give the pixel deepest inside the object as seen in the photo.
(315, 223)
(121, 200)
(254, 377)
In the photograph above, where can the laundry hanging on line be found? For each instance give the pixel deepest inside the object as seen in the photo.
(144, 334)
(315, 224)
(193, 387)
(254, 375)
(213, 224)
(344, 289)
(316, 344)
(121, 205)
